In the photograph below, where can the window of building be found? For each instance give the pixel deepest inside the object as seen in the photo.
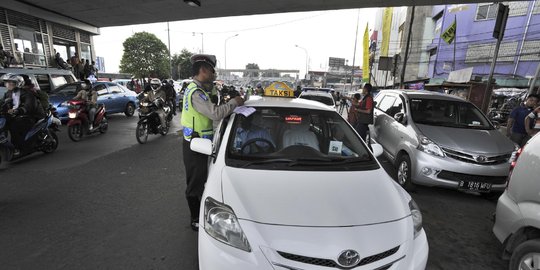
(486, 12)
(28, 47)
(86, 52)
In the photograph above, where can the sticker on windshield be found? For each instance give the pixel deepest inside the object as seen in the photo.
(335, 148)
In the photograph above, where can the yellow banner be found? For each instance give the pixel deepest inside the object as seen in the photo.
(365, 64)
(387, 27)
(450, 34)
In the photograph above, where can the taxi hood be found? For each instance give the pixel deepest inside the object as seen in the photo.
(315, 199)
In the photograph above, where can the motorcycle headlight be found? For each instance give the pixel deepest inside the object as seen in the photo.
(416, 216)
(221, 223)
(427, 146)
(72, 115)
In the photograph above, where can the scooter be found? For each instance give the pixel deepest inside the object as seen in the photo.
(79, 124)
(41, 137)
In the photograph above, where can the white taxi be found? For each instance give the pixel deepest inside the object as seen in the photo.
(292, 186)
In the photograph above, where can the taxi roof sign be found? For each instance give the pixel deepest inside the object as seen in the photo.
(279, 89)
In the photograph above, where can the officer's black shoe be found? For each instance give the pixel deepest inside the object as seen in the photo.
(195, 224)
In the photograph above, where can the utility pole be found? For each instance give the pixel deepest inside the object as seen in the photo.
(169, 41)
(498, 33)
(402, 78)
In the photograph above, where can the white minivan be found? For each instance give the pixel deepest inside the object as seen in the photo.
(517, 220)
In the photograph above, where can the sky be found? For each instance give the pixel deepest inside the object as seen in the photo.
(268, 40)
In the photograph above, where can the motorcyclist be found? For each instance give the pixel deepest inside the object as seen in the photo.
(23, 110)
(170, 94)
(154, 95)
(89, 95)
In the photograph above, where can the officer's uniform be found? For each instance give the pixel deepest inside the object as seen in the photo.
(197, 120)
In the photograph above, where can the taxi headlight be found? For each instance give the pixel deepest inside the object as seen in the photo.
(221, 223)
(427, 146)
(416, 216)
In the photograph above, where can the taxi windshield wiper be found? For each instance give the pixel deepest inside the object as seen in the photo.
(267, 161)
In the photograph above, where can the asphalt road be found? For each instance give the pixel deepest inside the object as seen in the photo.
(108, 203)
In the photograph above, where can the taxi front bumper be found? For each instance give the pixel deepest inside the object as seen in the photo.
(412, 254)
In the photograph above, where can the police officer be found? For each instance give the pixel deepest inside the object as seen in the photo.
(197, 119)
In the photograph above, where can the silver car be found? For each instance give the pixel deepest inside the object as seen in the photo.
(441, 140)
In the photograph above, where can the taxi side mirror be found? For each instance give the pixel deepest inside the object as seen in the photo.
(377, 149)
(200, 145)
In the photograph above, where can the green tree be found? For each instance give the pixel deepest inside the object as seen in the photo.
(252, 73)
(181, 65)
(145, 55)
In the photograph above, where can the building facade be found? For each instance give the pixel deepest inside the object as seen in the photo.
(33, 35)
(519, 53)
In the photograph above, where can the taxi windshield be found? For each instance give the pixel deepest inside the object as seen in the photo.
(293, 138)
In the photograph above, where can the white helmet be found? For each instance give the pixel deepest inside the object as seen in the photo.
(155, 84)
(18, 80)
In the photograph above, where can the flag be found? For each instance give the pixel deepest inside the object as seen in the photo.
(450, 33)
(365, 64)
(387, 27)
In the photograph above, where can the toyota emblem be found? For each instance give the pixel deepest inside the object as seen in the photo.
(348, 258)
(480, 159)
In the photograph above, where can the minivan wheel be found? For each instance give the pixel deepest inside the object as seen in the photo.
(526, 256)
(404, 172)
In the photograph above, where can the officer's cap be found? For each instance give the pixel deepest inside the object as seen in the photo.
(208, 58)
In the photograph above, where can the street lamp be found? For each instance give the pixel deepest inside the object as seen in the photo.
(202, 40)
(227, 39)
(307, 58)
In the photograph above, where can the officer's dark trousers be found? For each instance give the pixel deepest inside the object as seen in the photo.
(196, 173)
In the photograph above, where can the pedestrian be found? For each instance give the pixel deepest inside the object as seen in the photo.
(87, 69)
(60, 61)
(352, 116)
(74, 61)
(5, 57)
(93, 69)
(515, 127)
(365, 112)
(81, 70)
(298, 91)
(197, 119)
(532, 122)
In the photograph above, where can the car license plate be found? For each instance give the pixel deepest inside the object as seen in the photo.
(475, 186)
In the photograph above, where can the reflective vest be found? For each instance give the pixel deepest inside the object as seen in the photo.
(195, 123)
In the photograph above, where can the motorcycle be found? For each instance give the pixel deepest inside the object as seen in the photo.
(149, 119)
(79, 123)
(41, 137)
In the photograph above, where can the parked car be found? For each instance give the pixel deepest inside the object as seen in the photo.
(322, 95)
(115, 97)
(292, 186)
(517, 223)
(45, 79)
(441, 140)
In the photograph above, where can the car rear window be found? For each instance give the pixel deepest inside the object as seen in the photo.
(322, 99)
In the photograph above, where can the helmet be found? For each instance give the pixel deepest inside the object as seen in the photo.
(155, 84)
(164, 82)
(18, 80)
(259, 85)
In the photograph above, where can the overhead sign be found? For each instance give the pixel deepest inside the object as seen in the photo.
(279, 89)
(336, 62)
